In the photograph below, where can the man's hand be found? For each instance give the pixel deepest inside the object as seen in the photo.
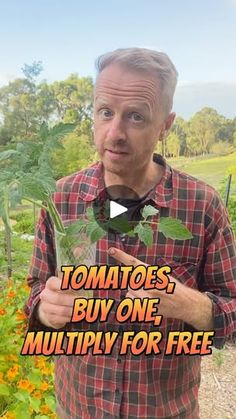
(55, 307)
(170, 305)
(186, 304)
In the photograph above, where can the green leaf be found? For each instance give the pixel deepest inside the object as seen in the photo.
(22, 396)
(33, 188)
(35, 404)
(95, 232)
(76, 227)
(4, 207)
(4, 390)
(120, 224)
(90, 214)
(35, 377)
(148, 211)
(8, 154)
(50, 402)
(174, 229)
(145, 234)
(60, 130)
(15, 196)
(22, 411)
(131, 233)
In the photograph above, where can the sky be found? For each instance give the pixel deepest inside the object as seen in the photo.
(67, 35)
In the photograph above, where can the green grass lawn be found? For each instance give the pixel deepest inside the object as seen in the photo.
(210, 169)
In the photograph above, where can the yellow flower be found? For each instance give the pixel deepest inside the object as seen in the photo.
(44, 409)
(11, 357)
(1, 378)
(47, 371)
(44, 386)
(40, 363)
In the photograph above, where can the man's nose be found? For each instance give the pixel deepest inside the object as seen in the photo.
(116, 129)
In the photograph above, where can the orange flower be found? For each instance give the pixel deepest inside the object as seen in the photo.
(12, 372)
(37, 394)
(44, 386)
(31, 388)
(26, 287)
(11, 294)
(44, 409)
(24, 384)
(9, 415)
(20, 315)
(2, 311)
(15, 368)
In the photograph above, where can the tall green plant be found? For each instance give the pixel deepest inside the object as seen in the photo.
(26, 174)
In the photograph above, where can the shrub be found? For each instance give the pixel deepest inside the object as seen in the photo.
(222, 148)
(26, 382)
(24, 222)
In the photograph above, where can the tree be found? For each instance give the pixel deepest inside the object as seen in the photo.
(202, 130)
(77, 153)
(172, 145)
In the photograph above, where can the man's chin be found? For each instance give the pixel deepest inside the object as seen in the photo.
(114, 168)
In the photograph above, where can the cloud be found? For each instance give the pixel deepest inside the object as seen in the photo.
(191, 97)
(5, 78)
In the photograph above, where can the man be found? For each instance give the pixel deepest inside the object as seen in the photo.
(132, 111)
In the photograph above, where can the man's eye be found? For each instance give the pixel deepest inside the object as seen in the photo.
(136, 117)
(105, 113)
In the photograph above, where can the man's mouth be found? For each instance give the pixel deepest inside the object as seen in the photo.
(115, 154)
(116, 151)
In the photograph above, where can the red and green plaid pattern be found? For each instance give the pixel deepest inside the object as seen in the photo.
(147, 386)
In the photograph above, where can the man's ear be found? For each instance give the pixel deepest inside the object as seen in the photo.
(167, 125)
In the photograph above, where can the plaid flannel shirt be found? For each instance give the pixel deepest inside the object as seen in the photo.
(147, 386)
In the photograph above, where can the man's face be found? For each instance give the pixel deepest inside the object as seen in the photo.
(128, 119)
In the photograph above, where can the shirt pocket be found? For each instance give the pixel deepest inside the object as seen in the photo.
(186, 271)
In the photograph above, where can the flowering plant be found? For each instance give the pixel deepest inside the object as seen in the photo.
(26, 383)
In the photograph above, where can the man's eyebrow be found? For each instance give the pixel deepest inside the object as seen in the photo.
(139, 106)
(136, 106)
(101, 101)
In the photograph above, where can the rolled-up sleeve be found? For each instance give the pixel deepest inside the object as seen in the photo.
(219, 271)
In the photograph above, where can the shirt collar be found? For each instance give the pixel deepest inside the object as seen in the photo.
(92, 184)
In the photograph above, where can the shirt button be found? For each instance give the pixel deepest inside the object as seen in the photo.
(117, 391)
(119, 360)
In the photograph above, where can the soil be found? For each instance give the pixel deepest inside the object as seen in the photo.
(218, 384)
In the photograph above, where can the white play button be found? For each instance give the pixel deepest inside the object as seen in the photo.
(116, 209)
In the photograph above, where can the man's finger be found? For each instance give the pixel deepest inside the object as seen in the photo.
(124, 258)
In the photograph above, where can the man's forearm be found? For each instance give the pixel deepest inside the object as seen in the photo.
(197, 309)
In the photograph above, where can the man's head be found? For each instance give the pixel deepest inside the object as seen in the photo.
(132, 106)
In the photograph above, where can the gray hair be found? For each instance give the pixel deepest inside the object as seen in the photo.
(145, 60)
